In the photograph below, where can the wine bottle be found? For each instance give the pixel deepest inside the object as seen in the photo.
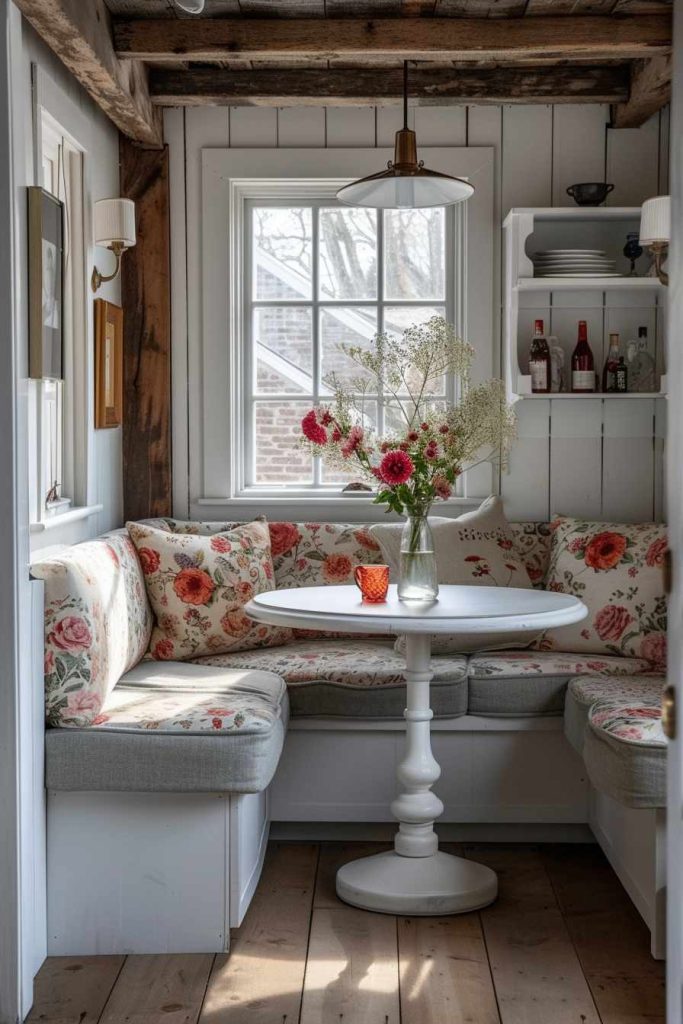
(611, 363)
(539, 361)
(621, 376)
(583, 366)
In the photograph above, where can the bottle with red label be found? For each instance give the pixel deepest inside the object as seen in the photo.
(539, 361)
(583, 364)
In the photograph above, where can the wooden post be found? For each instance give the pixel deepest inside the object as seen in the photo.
(146, 300)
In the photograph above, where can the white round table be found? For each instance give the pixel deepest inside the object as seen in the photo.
(416, 877)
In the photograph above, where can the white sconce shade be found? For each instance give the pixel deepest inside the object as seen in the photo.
(115, 223)
(655, 220)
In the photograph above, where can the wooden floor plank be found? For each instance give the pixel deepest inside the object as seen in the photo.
(444, 971)
(261, 980)
(611, 939)
(536, 972)
(152, 989)
(73, 989)
(352, 968)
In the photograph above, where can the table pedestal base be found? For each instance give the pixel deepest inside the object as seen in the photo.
(424, 886)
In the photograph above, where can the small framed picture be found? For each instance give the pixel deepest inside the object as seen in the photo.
(108, 364)
(46, 283)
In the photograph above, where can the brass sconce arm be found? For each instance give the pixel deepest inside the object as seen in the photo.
(98, 279)
(659, 252)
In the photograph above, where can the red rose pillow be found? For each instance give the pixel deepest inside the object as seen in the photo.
(617, 571)
(198, 586)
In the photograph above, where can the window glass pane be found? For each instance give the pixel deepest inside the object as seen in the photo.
(398, 318)
(282, 252)
(350, 325)
(395, 416)
(334, 475)
(278, 459)
(414, 254)
(348, 253)
(283, 349)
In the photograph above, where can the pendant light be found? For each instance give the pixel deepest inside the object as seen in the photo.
(406, 184)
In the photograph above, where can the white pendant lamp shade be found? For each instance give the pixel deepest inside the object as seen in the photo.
(655, 220)
(115, 222)
(406, 184)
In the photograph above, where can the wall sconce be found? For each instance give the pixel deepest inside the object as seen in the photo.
(115, 230)
(655, 232)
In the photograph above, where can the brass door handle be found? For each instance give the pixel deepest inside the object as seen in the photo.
(669, 712)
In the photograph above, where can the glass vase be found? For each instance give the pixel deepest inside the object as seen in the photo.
(417, 575)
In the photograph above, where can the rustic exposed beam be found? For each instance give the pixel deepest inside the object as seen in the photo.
(650, 90)
(320, 87)
(204, 39)
(79, 33)
(146, 300)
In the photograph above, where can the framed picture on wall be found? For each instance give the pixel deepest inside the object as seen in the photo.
(45, 283)
(108, 364)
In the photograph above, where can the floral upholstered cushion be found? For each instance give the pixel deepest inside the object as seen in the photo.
(617, 571)
(531, 683)
(351, 678)
(198, 586)
(625, 751)
(477, 548)
(532, 545)
(584, 691)
(97, 625)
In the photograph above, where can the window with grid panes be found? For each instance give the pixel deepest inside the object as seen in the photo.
(320, 275)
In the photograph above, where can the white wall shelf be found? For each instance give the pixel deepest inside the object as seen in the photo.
(608, 304)
(610, 395)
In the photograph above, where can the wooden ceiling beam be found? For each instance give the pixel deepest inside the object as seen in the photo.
(338, 87)
(216, 39)
(79, 33)
(650, 90)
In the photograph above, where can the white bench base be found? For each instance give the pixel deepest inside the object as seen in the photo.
(151, 872)
(634, 842)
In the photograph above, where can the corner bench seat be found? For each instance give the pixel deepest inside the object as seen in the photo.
(176, 728)
(532, 683)
(625, 751)
(361, 679)
(586, 690)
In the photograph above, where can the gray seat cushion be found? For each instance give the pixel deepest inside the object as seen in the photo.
(625, 751)
(176, 727)
(351, 678)
(583, 692)
(533, 683)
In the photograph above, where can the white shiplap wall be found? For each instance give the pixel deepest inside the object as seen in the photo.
(577, 459)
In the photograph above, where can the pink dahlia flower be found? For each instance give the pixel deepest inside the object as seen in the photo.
(396, 467)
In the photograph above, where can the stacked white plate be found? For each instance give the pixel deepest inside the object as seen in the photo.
(573, 263)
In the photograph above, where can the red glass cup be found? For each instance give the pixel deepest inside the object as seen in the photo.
(373, 582)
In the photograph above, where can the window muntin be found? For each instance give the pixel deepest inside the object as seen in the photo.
(320, 274)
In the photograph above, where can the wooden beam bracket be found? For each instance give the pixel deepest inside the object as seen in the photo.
(650, 89)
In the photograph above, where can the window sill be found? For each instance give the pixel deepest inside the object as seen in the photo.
(73, 515)
(299, 507)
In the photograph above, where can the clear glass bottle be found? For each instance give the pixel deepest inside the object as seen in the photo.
(641, 369)
(417, 575)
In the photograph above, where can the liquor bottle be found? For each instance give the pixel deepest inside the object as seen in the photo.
(539, 361)
(611, 363)
(641, 363)
(583, 366)
(621, 376)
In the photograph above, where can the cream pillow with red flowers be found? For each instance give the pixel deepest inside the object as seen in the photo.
(617, 570)
(198, 586)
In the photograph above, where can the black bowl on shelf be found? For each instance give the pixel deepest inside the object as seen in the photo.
(589, 193)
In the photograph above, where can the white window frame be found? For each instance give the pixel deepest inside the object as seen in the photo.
(246, 397)
(57, 121)
(230, 180)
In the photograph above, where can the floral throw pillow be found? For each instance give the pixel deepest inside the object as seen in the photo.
(617, 569)
(198, 586)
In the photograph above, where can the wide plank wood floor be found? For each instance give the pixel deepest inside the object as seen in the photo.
(562, 945)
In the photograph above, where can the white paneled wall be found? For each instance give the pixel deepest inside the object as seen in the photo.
(584, 457)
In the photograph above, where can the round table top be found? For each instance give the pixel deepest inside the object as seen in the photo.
(459, 609)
